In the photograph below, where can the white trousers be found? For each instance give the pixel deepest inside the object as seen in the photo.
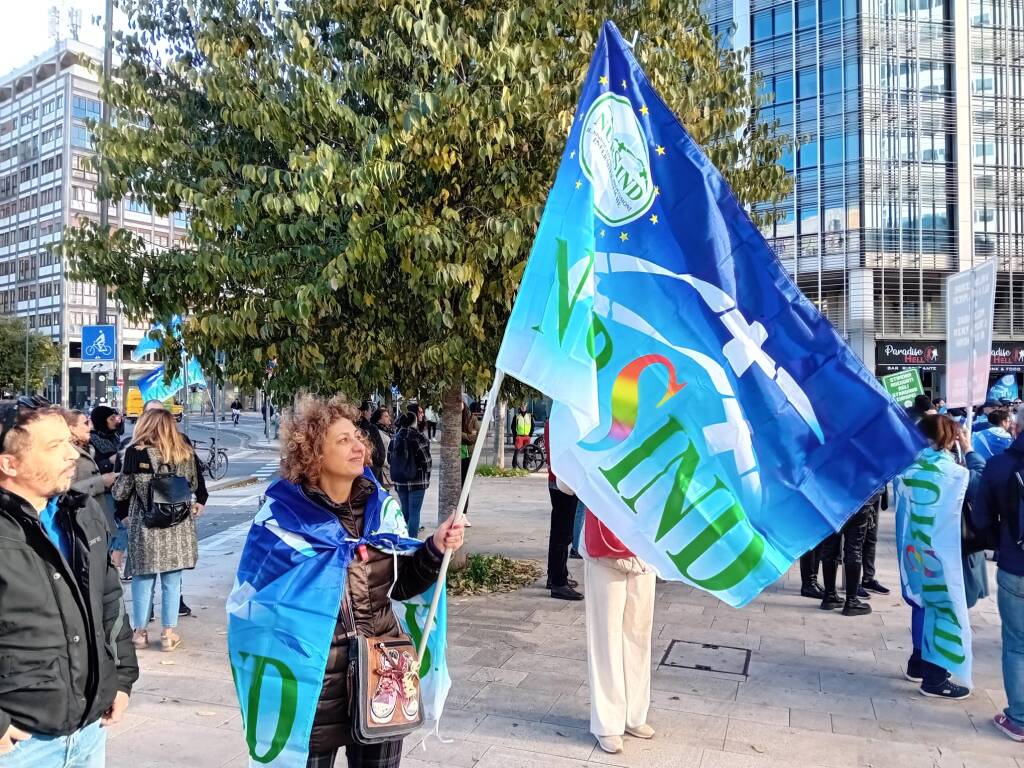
(620, 615)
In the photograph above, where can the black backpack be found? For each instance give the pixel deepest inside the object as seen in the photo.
(402, 457)
(169, 500)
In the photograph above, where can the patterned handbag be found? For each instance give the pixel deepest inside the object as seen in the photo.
(384, 688)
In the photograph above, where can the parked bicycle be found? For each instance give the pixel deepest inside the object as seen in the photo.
(534, 456)
(215, 464)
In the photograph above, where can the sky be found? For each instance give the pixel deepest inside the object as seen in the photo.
(25, 31)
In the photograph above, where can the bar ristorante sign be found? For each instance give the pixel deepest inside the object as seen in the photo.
(900, 354)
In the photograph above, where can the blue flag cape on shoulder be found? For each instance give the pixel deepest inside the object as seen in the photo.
(705, 411)
(283, 610)
(929, 503)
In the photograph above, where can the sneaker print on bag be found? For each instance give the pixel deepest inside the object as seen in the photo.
(410, 701)
(385, 700)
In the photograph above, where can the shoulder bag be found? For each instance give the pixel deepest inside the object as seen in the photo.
(383, 685)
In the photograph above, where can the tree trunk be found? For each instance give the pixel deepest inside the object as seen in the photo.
(451, 463)
(500, 414)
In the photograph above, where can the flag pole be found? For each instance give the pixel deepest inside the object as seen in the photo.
(474, 459)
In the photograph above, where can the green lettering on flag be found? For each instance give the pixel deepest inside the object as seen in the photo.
(416, 634)
(676, 507)
(286, 710)
(565, 304)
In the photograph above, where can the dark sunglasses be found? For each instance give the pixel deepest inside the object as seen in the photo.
(11, 409)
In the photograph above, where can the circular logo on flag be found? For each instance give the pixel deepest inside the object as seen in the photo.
(613, 155)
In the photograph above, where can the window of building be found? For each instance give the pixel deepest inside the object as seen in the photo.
(832, 150)
(131, 204)
(783, 88)
(807, 82)
(763, 27)
(983, 80)
(852, 74)
(81, 136)
(81, 163)
(806, 14)
(783, 19)
(85, 108)
(852, 146)
(52, 134)
(809, 221)
(985, 150)
(831, 10)
(808, 156)
(52, 164)
(831, 78)
(933, 80)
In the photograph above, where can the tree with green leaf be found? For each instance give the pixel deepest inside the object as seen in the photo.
(364, 179)
(20, 347)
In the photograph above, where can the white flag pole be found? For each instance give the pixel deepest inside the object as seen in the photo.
(474, 459)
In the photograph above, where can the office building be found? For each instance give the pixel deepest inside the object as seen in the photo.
(907, 118)
(47, 185)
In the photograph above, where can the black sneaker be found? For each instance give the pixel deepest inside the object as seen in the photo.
(831, 601)
(872, 585)
(568, 582)
(184, 610)
(855, 607)
(813, 590)
(566, 593)
(913, 675)
(863, 594)
(948, 690)
(574, 555)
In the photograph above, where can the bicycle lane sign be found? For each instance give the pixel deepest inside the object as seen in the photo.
(99, 345)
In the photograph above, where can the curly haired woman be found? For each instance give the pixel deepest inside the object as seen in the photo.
(325, 482)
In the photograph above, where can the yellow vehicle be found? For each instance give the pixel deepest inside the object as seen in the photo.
(133, 405)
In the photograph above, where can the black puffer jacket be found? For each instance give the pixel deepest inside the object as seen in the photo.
(367, 592)
(65, 643)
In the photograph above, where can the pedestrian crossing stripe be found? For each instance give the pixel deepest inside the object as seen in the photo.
(267, 470)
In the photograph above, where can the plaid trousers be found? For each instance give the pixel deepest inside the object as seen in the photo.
(385, 755)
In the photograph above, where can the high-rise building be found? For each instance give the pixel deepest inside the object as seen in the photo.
(47, 184)
(907, 120)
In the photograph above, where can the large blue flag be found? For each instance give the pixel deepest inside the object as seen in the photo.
(283, 611)
(704, 409)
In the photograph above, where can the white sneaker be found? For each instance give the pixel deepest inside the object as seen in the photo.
(610, 744)
(641, 731)
(467, 523)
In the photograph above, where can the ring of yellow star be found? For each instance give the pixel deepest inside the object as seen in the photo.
(654, 218)
(644, 110)
(579, 184)
(602, 233)
(603, 80)
(660, 150)
(624, 236)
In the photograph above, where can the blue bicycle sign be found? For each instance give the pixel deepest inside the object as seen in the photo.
(99, 342)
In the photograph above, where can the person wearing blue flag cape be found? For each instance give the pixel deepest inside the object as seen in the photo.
(324, 559)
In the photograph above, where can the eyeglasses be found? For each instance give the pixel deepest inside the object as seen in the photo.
(11, 409)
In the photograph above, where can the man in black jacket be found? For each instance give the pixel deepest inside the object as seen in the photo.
(67, 664)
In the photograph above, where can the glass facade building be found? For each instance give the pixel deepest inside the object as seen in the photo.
(47, 184)
(906, 119)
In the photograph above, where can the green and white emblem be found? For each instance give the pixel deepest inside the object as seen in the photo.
(614, 157)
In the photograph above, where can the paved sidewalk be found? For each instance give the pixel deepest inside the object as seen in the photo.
(820, 690)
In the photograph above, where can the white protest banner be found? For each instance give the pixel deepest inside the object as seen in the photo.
(970, 306)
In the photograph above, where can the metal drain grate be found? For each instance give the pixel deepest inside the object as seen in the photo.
(706, 657)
